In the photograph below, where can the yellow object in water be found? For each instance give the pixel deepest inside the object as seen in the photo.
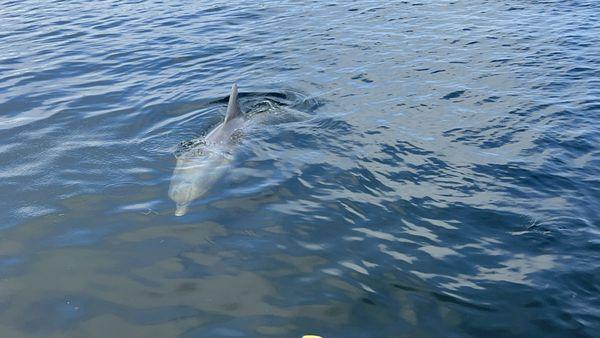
(311, 336)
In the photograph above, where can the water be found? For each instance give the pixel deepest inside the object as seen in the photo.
(446, 182)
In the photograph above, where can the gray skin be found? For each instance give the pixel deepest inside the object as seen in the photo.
(195, 174)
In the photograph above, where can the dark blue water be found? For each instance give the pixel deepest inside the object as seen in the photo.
(445, 184)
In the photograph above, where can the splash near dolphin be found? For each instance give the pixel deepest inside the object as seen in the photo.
(197, 171)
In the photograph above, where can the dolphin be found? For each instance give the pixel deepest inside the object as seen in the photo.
(198, 170)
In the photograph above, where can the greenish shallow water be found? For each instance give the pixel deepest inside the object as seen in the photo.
(445, 183)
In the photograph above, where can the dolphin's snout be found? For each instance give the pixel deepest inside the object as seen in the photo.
(181, 210)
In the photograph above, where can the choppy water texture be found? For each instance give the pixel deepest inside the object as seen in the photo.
(446, 183)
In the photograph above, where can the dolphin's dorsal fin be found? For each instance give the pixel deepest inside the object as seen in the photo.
(233, 107)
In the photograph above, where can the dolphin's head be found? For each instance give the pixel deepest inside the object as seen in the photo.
(193, 179)
(181, 209)
(182, 193)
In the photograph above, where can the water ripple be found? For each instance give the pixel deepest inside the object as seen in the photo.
(442, 179)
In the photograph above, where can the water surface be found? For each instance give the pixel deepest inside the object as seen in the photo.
(444, 184)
